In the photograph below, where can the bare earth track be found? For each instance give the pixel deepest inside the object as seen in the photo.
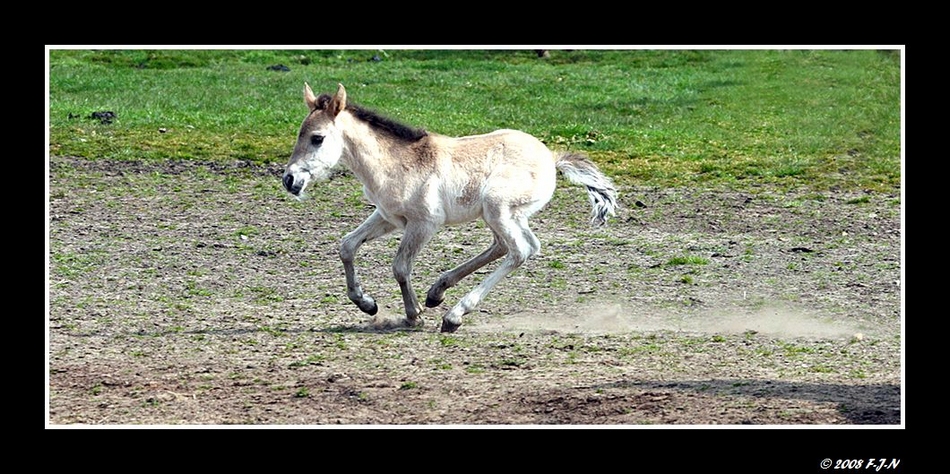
(184, 293)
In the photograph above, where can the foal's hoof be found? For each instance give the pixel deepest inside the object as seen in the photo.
(432, 303)
(369, 308)
(413, 323)
(448, 326)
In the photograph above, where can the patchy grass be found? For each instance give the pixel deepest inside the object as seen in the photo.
(687, 260)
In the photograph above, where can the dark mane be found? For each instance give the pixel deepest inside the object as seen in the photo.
(387, 125)
(379, 122)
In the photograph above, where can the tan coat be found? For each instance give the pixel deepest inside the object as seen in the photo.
(420, 181)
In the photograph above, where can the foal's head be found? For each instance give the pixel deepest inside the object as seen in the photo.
(319, 143)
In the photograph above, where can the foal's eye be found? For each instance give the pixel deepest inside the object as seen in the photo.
(316, 140)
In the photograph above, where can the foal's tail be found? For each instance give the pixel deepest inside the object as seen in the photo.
(578, 169)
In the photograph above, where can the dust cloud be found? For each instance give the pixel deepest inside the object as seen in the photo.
(785, 322)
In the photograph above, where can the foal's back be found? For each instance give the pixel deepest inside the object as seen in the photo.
(502, 171)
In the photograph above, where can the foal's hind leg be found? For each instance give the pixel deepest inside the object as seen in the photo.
(452, 277)
(514, 236)
(373, 227)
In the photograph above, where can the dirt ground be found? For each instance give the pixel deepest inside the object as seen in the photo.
(185, 293)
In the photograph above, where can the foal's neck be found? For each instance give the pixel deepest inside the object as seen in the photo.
(366, 154)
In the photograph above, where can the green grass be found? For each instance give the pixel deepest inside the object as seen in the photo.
(820, 118)
(73, 265)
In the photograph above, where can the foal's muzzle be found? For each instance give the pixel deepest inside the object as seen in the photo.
(291, 186)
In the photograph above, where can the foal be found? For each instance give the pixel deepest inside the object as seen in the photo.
(420, 181)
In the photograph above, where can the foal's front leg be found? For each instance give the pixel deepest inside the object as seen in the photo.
(414, 238)
(373, 227)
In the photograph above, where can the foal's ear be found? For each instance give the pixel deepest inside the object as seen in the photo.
(309, 98)
(338, 102)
